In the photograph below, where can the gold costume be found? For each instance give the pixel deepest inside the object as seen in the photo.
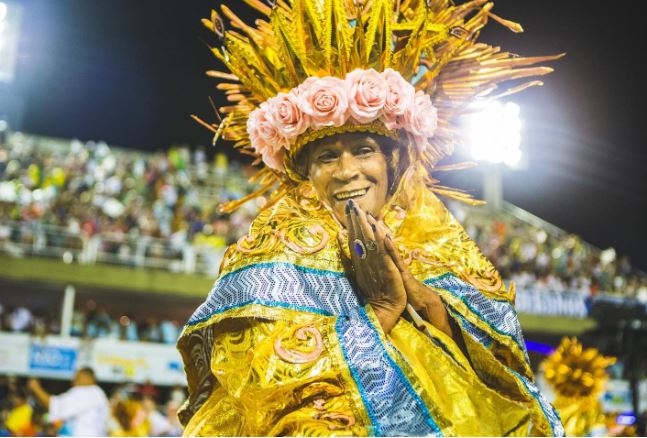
(578, 377)
(283, 345)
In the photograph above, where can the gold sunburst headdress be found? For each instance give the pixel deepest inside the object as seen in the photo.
(312, 68)
(576, 372)
(578, 376)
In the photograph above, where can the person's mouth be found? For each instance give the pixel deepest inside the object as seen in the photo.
(350, 194)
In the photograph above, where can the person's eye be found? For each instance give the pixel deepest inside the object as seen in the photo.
(364, 150)
(327, 156)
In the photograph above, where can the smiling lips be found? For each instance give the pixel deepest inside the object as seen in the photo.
(342, 196)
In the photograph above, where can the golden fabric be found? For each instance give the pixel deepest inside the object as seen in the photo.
(283, 347)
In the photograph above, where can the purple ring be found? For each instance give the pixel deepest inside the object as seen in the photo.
(359, 248)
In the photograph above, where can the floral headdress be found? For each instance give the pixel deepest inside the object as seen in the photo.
(314, 68)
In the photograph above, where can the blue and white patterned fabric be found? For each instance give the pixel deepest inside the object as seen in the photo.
(500, 315)
(281, 285)
(549, 411)
(476, 333)
(392, 404)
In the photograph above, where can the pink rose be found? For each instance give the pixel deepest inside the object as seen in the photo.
(367, 94)
(289, 120)
(274, 160)
(324, 100)
(420, 119)
(264, 135)
(399, 97)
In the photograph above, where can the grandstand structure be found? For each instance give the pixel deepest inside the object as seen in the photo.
(109, 250)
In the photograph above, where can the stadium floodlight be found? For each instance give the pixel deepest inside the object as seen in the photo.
(10, 16)
(3, 15)
(494, 133)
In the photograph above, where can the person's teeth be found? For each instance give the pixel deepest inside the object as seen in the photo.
(348, 195)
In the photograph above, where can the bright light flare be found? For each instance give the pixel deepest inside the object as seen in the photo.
(494, 133)
(3, 10)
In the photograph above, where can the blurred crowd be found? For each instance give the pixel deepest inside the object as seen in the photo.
(89, 322)
(129, 207)
(552, 260)
(143, 206)
(133, 410)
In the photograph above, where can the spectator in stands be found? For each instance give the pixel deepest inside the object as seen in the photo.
(159, 424)
(20, 319)
(151, 331)
(83, 408)
(170, 331)
(19, 419)
(147, 390)
(132, 419)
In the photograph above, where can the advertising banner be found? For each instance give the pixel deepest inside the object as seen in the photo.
(14, 353)
(112, 360)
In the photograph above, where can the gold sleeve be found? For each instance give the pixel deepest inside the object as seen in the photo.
(276, 378)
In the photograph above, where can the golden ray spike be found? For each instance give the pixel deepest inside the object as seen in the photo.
(260, 175)
(312, 32)
(260, 76)
(203, 123)
(299, 26)
(378, 35)
(515, 27)
(407, 58)
(222, 75)
(517, 89)
(508, 62)
(358, 51)
(236, 98)
(240, 24)
(292, 60)
(228, 207)
(259, 6)
(454, 15)
(455, 166)
(327, 33)
(224, 124)
(342, 35)
(314, 10)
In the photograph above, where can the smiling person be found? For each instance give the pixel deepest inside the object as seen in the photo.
(356, 304)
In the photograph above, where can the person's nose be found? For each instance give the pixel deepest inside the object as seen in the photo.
(347, 168)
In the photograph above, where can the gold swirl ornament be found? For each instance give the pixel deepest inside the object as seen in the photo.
(298, 238)
(346, 421)
(295, 356)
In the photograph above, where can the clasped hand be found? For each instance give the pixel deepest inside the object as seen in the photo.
(379, 273)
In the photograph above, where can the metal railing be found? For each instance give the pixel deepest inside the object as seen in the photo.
(34, 239)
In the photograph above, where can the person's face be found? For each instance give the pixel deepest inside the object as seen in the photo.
(348, 166)
(82, 378)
